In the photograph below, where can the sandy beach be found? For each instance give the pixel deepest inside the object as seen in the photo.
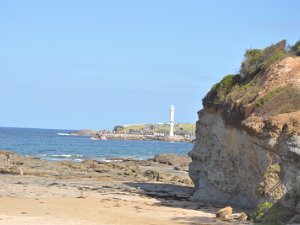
(124, 192)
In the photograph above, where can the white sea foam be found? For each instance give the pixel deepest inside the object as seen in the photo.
(78, 160)
(107, 159)
(63, 134)
(64, 156)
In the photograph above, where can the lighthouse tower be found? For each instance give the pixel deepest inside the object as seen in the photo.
(172, 109)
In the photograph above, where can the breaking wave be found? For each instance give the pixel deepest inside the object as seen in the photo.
(63, 134)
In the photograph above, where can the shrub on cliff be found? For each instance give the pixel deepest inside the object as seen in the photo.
(295, 49)
(256, 60)
(274, 53)
(219, 91)
(261, 210)
(245, 91)
(253, 59)
(269, 213)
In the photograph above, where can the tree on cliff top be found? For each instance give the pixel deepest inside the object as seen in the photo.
(295, 49)
(256, 60)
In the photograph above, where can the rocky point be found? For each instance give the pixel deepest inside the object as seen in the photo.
(247, 147)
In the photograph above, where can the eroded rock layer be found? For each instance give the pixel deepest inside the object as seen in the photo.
(230, 166)
(247, 147)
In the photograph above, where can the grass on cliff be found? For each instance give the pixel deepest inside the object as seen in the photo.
(268, 213)
(269, 187)
(281, 100)
(261, 211)
(246, 92)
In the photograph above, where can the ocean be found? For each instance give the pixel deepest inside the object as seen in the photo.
(54, 145)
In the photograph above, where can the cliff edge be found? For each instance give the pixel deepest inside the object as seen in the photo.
(247, 148)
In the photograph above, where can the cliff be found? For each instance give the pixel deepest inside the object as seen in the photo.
(247, 148)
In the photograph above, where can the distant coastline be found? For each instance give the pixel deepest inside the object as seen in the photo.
(158, 132)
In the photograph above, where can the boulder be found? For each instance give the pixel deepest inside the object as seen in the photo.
(223, 213)
(172, 159)
(151, 175)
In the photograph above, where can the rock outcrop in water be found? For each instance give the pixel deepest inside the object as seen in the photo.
(247, 147)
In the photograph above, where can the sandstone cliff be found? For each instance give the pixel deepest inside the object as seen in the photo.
(247, 147)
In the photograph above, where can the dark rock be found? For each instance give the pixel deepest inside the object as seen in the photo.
(295, 220)
(182, 180)
(151, 175)
(297, 209)
(85, 132)
(172, 159)
(101, 171)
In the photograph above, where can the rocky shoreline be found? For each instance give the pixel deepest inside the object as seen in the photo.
(166, 168)
(121, 136)
(163, 179)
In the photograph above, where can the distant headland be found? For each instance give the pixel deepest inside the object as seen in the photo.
(183, 132)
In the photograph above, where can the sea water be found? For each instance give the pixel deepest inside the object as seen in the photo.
(53, 144)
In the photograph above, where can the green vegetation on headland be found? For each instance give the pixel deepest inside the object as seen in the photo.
(161, 129)
(244, 93)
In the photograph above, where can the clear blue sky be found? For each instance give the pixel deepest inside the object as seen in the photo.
(95, 64)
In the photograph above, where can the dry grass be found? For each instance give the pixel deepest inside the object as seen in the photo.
(281, 100)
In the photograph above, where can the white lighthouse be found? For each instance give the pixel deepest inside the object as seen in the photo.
(172, 109)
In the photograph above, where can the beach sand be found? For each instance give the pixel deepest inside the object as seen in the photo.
(108, 209)
(49, 193)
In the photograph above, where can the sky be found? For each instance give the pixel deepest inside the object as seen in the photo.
(74, 64)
